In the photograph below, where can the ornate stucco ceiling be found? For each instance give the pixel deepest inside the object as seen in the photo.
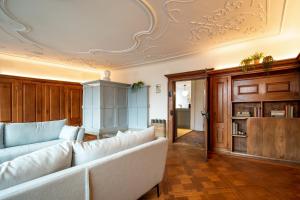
(116, 34)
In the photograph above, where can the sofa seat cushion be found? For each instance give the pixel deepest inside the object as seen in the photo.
(16, 134)
(11, 153)
(35, 165)
(88, 151)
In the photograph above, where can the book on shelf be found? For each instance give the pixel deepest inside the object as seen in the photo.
(289, 111)
(278, 113)
(257, 111)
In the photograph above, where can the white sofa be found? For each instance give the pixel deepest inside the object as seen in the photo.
(127, 174)
(17, 139)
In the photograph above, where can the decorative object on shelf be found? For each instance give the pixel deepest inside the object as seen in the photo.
(158, 88)
(257, 56)
(267, 62)
(243, 114)
(245, 64)
(289, 111)
(278, 113)
(106, 75)
(137, 85)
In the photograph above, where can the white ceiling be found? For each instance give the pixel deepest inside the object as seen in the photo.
(123, 33)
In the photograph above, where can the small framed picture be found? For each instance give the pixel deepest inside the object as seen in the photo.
(158, 88)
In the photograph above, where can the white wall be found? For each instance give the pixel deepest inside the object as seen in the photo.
(285, 45)
(183, 101)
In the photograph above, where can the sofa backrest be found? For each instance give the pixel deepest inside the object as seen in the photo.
(16, 134)
(128, 174)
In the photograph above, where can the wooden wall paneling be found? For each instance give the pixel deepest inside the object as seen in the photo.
(255, 136)
(6, 100)
(31, 101)
(54, 102)
(62, 96)
(74, 105)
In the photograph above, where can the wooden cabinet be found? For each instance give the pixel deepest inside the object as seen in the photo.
(279, 87)
(30, 100)
(274, 138)
(220, 112)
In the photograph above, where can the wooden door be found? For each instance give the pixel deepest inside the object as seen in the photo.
(220, 112)
(205, 117)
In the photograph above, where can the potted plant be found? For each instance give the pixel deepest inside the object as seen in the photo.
(267, 62)
(257, 57)
(137, 85)
(245, 63)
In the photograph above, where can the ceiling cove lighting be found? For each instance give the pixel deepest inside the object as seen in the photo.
(41, 62)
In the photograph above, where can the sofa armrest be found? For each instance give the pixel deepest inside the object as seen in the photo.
(80, 134)
(71, 183)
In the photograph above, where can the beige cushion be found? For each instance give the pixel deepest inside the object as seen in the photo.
(69, 132)
(35, 164)
(88, 151)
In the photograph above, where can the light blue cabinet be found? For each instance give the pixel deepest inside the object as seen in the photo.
(111, 106)
(138, 108)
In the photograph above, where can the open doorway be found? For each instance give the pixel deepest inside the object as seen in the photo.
(189, 107)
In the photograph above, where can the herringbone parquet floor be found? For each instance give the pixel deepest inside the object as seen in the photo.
(223, 177)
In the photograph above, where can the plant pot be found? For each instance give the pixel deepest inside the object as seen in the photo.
(256, 61)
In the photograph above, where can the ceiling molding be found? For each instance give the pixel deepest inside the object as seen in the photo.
(18, 29)
(171, 24)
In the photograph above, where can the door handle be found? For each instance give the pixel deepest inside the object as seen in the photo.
(205, 114)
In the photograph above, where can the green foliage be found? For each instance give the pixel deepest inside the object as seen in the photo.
(245, 64)
(137, 85)
(267, 62)
(257, 56)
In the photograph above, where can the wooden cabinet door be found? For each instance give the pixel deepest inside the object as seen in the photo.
(74, 105)
(220, 112)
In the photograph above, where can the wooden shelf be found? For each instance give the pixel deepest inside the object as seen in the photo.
(240, 117)
(243, 136)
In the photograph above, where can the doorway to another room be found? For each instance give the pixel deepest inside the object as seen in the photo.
(190, 104)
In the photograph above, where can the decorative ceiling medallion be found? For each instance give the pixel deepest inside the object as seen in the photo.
(236, 16)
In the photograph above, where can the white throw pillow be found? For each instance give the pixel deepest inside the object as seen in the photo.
(87, 151)
(69, 132)
(119, 133)
(35, 165)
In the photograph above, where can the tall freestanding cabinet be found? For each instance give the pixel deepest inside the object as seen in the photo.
(111, 106)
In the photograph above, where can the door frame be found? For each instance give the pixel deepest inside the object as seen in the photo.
(184, 76)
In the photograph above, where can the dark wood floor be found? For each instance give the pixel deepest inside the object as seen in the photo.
(223, 177)
(193, 138)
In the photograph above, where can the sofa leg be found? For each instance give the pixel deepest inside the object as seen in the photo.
(157, 190)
